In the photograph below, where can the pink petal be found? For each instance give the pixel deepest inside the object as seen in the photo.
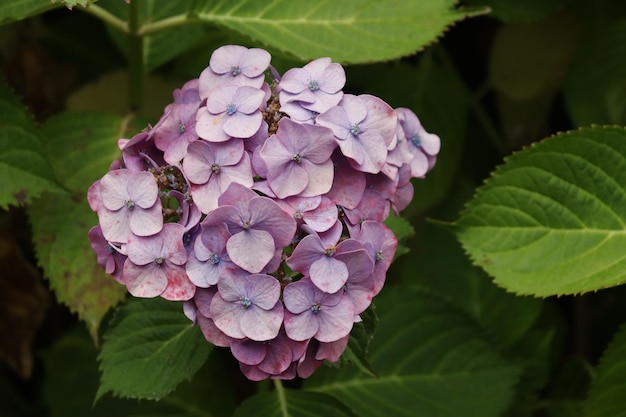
(328, 274)
(251, 249)
(260, 325)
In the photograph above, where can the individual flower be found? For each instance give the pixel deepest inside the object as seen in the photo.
(348, 183)
(315, 256)
(359, 286)
(212, 167)
(319, 212)
(247, 305)
(381, 244)
(234, 65)
(258, 227)
(364, 127)
(176, 130)
(155, 265)
(129, 204)
(316, 86)
(298, 160)
(230, 111)
(198, 311)
(108, 256)
(423, 145)
(313, 313)
(209, 256)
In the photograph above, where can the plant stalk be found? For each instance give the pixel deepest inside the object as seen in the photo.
(135, 58)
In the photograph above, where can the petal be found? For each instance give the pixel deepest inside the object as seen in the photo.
(146, 222)
(144, 281)
(115, 225)
(302, 326)
(113, 190)
(260, 325)
(210, 127)
(142, 189)
(328, 274)
(335, 322)
(241, 125)
(263, 290)
(299, 296)
(268, 216)
(248, 352)
(179, 287)
(251, 249)
(227, 316)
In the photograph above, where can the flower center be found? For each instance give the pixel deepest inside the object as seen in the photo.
(245, 224)
(181, 128)
(297, 215)
(130, 204)
(231, 109)
(297, 158)
(330, 251)
(315, 308)
(215, 168)
(110, 249)
(416, 140)
(214, 259)
(245, 302)
(159, 261)
(379, 256)
(355, 129)
(235, 70)
(314, 85)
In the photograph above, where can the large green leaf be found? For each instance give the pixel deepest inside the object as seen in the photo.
(24, 167)
(12, 10)
(606, 395)
(431, 360)
(149, 348)
(60, 225)
(81, 146)
(349, 31)
(551, 220)
(515, 10)
(292, 403)
(594, 92)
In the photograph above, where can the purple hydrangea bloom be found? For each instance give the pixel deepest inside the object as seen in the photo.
(140, 152)
(316, 86)
(209, 257)
(359, 287)
(211, 167)
(156, 265)
(108, 256)
(364, 127)
(373, 206)
(313, 313)
(348, 183)
(423, 145)
(247, 305)
(230, 112)
(176, 130)
(403, 195)
(129, 204)
(319, 212)
(259, 227)
(298, 160)
(198, 311)
(381, 244)
(315, 256)
(234, 65)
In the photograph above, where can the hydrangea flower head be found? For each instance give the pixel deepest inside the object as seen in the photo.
(259, 200)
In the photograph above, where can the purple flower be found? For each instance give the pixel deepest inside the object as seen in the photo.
(211, 167)
(315, 256)
(234, 65)
(230, 111)
(319, 212)
(247, 305)
(317, 85)
(359, 286)
(381, 244)
(311, 312)
(373, 206)
(198, 311)
(108, 256)
(403, 195)
(423, 145)
(155, 265)
(270, 358)
(129, 204)
(298, 160)
(348, 184)
(176, 130)
(259, 227)
(364, 127)
(140, 152)
(209, 257)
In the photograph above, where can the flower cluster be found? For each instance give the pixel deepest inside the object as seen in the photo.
(261, 206)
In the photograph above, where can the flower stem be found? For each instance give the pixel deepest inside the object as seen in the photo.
(280, 392)
(167, 23)
(135, 57)
(106, 16)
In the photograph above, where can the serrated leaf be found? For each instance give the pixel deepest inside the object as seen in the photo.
(606, 395)
(551, 220)
(590, 89)
(431, 360)
(403, 231)
(292, 403)
(12, 10)
(149, 348)
(60, 227)
(24, 169)
(349, 31)
(81, 146)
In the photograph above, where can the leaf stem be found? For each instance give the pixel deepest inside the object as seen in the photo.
(280, 392)
(167, 23)
(106, 17)
(135, 57)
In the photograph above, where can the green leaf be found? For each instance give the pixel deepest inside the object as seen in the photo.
(430, 359)
(606, 395)
(595, 93)
(60, 225)
(403, 231)
(24, 168)
(149, 348)
(515, 10)
(12, 10)
(551, 220)
(358, 345)
(349, 31)
(292, 403)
